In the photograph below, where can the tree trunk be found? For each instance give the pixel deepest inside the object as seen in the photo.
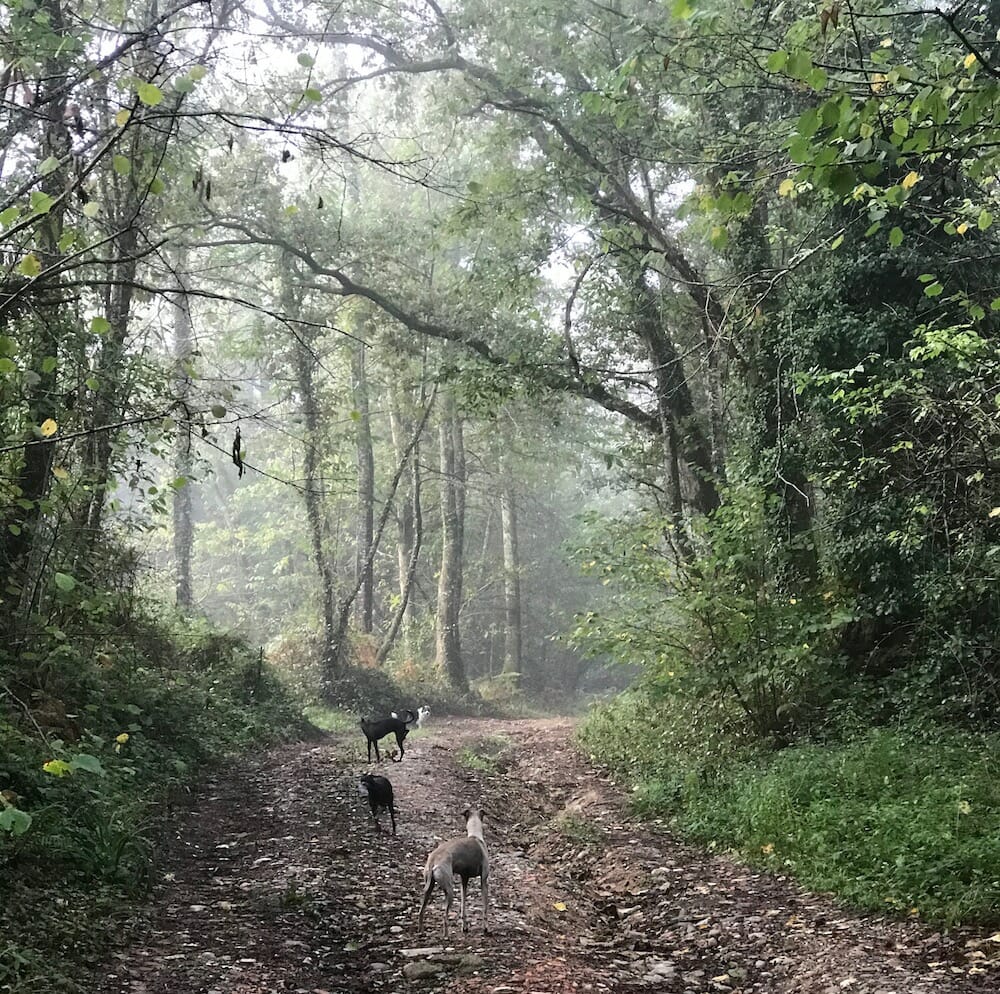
(409, 536)
(364, 576)
(19, 524)
(512, 662)
(414, 533)
(448, 636)
(183, 462)
(304, 362)
(344, 613)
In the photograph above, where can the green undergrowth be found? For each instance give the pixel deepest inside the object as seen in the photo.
(98, 736)
(490, 754)
(903, 820)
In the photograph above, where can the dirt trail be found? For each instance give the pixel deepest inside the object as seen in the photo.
(275, 881)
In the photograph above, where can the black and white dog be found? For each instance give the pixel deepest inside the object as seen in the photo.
(378, 790)
(379, 728)
(420, 715)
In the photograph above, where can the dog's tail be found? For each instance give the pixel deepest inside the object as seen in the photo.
(411, 717)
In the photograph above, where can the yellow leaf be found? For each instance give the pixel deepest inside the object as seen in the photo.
(121, 118)
(769, 848)
(964, 808)
(886, 43)
(59, 473)
(559, 906)
(995, 512)
(123, 738)
(30, 266)
(785, 187)
(970, 60)
(963, 228)
(878, 83)
(910, 180)
(48, 427)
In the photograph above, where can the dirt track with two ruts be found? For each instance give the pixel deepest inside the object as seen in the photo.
(274, 880)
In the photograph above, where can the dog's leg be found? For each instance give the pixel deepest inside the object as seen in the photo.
(486, 900)
(399, 742)
(448, 885)
(428, 890)
(378, 758)
(392, 818)
(465, 909)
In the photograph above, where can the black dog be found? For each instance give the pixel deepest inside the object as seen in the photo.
(380, 728)
(379, 792)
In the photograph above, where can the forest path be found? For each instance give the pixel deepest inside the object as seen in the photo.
(275, 881)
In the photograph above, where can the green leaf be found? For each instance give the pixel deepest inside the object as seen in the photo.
(9, 216)
(66, 240)
(933, 289)
(355, 415)
(818, 79)
(777, 61)
(995, 304)
(49, 363)
(184, 85)
(800, 65)
(90, 764)
(150, 94)
(842, 180)
(65, 582)
(682, 9)
(313, 94)
(41, 203)
(122, 165)
(100, 325)
(49, 165)
(218, 411)
(985, 220)
(808, 123)
(156, 186)
(91, 209)
(896, 237)
(197, 72)
(306, 61)
(57, 768)
(14, 821)
(901, 127)
(8, 366)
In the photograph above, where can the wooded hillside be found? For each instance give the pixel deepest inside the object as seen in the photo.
(459, 349)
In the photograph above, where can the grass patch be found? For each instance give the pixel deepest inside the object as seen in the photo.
(905, 820)
(487, 755)
(331, 719)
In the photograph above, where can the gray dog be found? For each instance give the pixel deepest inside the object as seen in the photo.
(468, 858)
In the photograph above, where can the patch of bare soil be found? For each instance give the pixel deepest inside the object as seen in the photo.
(276, 881)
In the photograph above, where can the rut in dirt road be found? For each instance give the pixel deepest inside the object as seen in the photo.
(276, 881)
